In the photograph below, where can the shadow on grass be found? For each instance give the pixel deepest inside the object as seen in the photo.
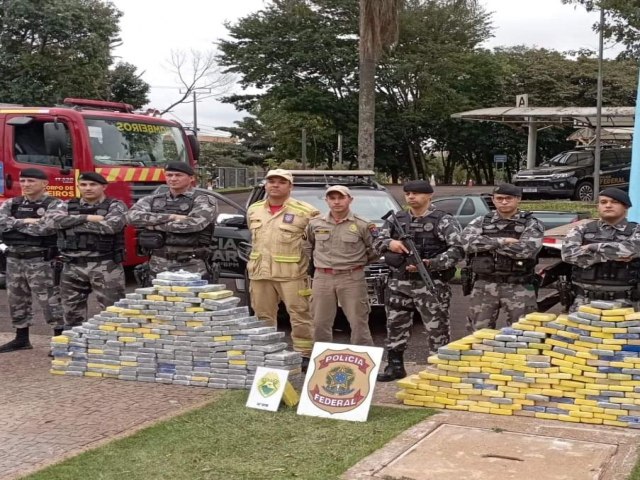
(226, 440)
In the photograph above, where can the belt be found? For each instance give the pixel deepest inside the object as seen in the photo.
(180, 256)
(86, 260)
(332, 271)
(25, 255)
(517, 279)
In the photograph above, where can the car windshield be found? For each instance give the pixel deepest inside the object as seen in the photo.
(370, 204)
(117, 142)
(567, 159)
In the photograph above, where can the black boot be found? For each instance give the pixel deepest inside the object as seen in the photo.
(395, 368)
(21, 342)
(58, 331)
(305, 364)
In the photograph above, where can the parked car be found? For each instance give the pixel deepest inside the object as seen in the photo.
(467, 207)
(570, 174)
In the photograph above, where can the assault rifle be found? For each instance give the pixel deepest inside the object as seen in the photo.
(413, 254)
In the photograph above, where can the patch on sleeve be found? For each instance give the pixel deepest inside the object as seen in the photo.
(375, 233)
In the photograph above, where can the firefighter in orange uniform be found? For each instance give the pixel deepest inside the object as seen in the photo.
(278, 266)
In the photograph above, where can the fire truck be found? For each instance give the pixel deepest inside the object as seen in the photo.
(129, 149)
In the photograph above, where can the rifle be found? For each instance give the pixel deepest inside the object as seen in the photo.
(413, 254)
(142, 274)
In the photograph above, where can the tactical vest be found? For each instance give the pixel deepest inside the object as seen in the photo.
(494, 264)
(20, 209)
(181, 205)
(68, 240)
(423, 231)
(610, 273)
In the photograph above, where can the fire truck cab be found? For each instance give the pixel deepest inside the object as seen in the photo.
(129, 149)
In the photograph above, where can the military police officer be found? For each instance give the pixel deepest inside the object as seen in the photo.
(605, 253)
(437, 237)
(278, 265)
(91, 243)
(29, 233)
(502, 247)
(176, 226)
(342, 244)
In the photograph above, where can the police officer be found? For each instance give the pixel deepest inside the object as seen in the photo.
(502, 247)
(278, 264)
(437, 237)
(29, 233)
(176, 226)
(605, 253)
(342, 244)
(91, 243)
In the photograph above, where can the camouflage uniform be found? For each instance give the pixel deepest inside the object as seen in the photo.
(186, 244)
(504, 273)
(340, 251)
(92, 253)
(31, 248)
(437, 236)
(278, 267)
(598, 272)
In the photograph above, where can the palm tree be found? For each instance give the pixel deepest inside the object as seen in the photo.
(378, 29)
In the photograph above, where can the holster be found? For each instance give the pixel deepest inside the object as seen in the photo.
(149, 240)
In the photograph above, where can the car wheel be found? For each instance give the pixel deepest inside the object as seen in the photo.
(584, 192)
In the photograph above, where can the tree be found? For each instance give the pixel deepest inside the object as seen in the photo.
(197, 71)
(622, 22)
(378, 30)
(51, 49)
(125, 85)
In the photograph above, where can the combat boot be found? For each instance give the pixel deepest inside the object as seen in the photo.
(21, 342)
(58, 331)
(395, 367)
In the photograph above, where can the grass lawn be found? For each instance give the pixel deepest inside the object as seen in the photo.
(226, 440)
(559, 206)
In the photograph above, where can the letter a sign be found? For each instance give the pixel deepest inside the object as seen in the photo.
(522, 100)
(340, 381)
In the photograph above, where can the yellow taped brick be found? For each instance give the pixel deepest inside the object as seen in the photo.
(413, 403)
(446, 378)
(540, 317)
(613, 318)
(632, 316)
(500, 411)
(194, 309)
(223, 338)
(237, 362)
(60, 339)
(594, 421)
(129, 364)
(457, 407)
(107, 328)
(200, 379)
(426, 375)
(588, 309)
(568, 418)
(155, 298)
(614, 423)
(142, 330)
(92, 374)
(56, 372)
(173, 299)
(433, 404)
(473, 408)
(60, 363)
(216, 295)
(618, 311)
(128, 339)
(486, 333)
(194, 323)
(151, 335)
(546, 330)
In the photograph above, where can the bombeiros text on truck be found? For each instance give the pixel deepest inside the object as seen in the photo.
(129, 149)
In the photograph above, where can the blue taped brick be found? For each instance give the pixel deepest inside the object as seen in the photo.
(631, 348)
(609, 370)
(561, 400)
(559, 411)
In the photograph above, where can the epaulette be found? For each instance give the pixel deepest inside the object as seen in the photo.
(259, 203)
(363, 219)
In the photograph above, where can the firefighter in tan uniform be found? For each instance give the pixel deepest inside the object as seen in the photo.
(278, 266)
(342, 244)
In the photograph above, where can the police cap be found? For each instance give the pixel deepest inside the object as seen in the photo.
(182, 167)
(418, 186)
(93, 177)
(33, 173)
(280, 172)
(508, 189)
(340, 189)
(618, 195)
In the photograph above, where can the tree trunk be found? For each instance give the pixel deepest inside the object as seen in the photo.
(412, 161)
(367, 109)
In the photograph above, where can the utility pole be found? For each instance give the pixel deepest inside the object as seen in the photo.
(596, 161)
(195, 91)
(304, 148)
(340, 148)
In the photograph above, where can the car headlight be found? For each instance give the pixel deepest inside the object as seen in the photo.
(562, 175)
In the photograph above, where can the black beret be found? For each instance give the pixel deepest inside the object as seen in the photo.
(618, 195)
(33, 173)
(508, 189)
(93, 177)
(418, 186)
(179, 167)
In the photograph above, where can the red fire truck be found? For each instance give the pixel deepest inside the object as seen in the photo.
(129, 149)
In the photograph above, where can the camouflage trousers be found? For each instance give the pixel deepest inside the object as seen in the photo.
(408, 296)
(28, 277)
(487, 298)
(105, 278)
(160, 264)
(622, 297)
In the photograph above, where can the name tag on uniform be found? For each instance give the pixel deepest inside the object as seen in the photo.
(288, 218)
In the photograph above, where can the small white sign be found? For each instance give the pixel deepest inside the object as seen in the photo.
(340, 381)
(267, 389)
(522, 100)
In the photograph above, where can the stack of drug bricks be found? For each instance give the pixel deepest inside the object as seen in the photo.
(582, 367)
(181, 331)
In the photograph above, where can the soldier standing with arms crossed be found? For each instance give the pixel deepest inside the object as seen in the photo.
(176, 226)
(437, 237)
(29, 233)
(502, 248)
(341, 243)
(605, 253)
(91, 243)
(278, 265)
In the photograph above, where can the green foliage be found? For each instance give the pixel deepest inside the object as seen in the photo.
(51, 49)
(227, 440)
(125, 85)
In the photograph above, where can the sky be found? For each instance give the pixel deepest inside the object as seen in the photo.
(151, 29)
